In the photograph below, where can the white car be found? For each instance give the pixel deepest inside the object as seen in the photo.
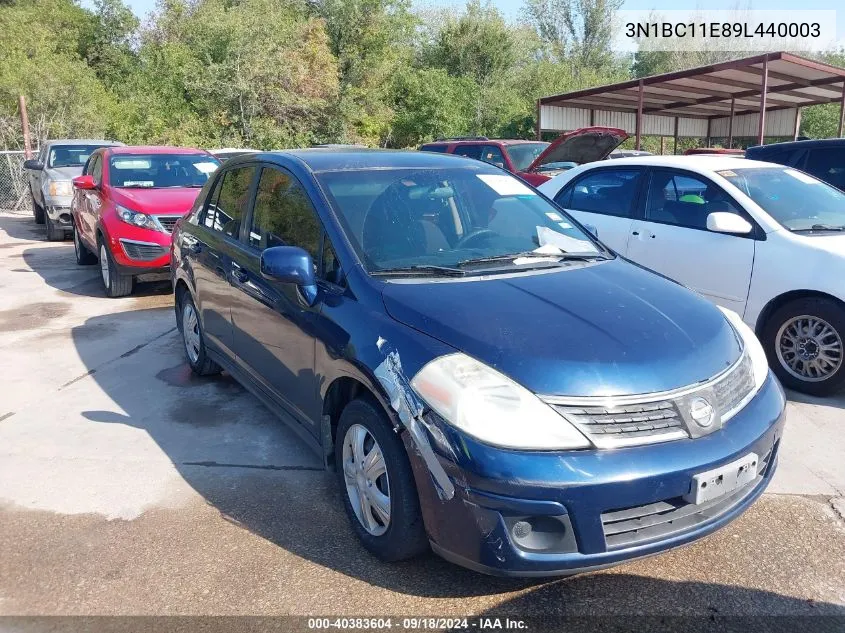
(763, 240)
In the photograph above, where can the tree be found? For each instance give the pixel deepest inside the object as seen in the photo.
(576, 30)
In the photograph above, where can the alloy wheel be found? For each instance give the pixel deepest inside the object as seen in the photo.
(367, 484)
(191, 332)
(809, 348)
(104, 265)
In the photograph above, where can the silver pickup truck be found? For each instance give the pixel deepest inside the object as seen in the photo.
(59, 161)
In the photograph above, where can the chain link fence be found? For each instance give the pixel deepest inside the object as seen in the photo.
(14, 186)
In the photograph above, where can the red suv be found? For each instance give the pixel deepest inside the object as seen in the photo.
(125, 206)
(535, 161)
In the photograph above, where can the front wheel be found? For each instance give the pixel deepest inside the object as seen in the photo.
(115, 284)
(54, 233)
(380, 494)
(38, 212)
(804, 343)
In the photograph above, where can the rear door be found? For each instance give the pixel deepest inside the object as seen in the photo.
(273, 325)
(605, 198)
(217, 246)
(673, 239)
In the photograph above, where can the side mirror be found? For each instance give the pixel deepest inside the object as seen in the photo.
(34, 164)
(592, 229)
(288, 265)
(84, 182)
(724, 222)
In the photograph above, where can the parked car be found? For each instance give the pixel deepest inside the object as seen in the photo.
(628, 153)
(763, 240)
(485, 376)
(822, 158)
(125, 206)
(50, 174)
(535, 161)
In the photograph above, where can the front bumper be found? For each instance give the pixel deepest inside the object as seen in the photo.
(138, 251)
(58, 210)
(591, 509)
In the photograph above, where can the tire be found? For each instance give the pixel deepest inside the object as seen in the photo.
(84, 257)
(115, 284)
(38, 212)
(403, 535)
(815, 328)
(54, 233)
(195, 350)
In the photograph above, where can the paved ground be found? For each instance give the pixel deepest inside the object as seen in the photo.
(129, 487)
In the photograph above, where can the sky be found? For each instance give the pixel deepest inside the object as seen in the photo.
(511, 8)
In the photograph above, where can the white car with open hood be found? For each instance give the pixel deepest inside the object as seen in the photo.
(763, 240)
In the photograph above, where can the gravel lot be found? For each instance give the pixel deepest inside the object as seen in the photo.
(128, 486)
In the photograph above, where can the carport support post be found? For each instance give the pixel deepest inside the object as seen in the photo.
(675, 148)
(761, 124)
(797, 124)
(841, 112)
(639, 116)
(731, 124)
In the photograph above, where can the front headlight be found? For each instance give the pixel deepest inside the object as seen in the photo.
(759, 362)
(136, 218)
(61, 188)
(491, 407)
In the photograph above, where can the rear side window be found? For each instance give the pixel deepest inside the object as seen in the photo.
(607, 191)
(434, 148)
(97, 169)
(828, 164)
(283, 214)
(470, 151)
(229, 201)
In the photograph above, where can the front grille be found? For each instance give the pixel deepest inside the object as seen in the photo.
(142, 252)
(168, 221)
(660, 417)
(637, 423)
(637, 525)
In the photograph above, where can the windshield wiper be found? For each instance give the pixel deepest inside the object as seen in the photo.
(821, 227)
(530, 254)
(430, 270)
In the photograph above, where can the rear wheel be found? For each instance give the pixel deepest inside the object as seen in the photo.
(84, 257)
(380, 494)
(804, 343)
(115, 284)
(55, 233)
(192, 337)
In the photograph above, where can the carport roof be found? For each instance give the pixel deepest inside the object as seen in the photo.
(708, 91)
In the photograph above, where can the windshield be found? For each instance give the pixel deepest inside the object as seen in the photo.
(796, 200)
(158, 171)
(523, 154)
(456, 217)
(70, 155)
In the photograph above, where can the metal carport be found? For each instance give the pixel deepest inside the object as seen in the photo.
(763, 95)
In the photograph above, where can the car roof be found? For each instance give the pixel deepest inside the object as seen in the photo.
(83, 141)
(702, 162)
(499, 141)
(349, 158)
(818, 142)
(155, 149)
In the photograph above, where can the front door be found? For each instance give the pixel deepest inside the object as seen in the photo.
(607, 200)
(673, 238)
(273, 324)
(90, 202)
(217, 245)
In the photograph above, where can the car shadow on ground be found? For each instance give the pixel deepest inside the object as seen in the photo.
(22, 227)
(260, 477)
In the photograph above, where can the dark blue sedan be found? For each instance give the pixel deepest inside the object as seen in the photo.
(485, 376)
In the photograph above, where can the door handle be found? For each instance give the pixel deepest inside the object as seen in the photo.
(239, 273)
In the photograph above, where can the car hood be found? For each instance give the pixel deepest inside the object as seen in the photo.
(586, 145)
(603, 329)
(170, 200)
(64, 173)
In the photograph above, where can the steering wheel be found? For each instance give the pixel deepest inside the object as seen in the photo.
(472, 236)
